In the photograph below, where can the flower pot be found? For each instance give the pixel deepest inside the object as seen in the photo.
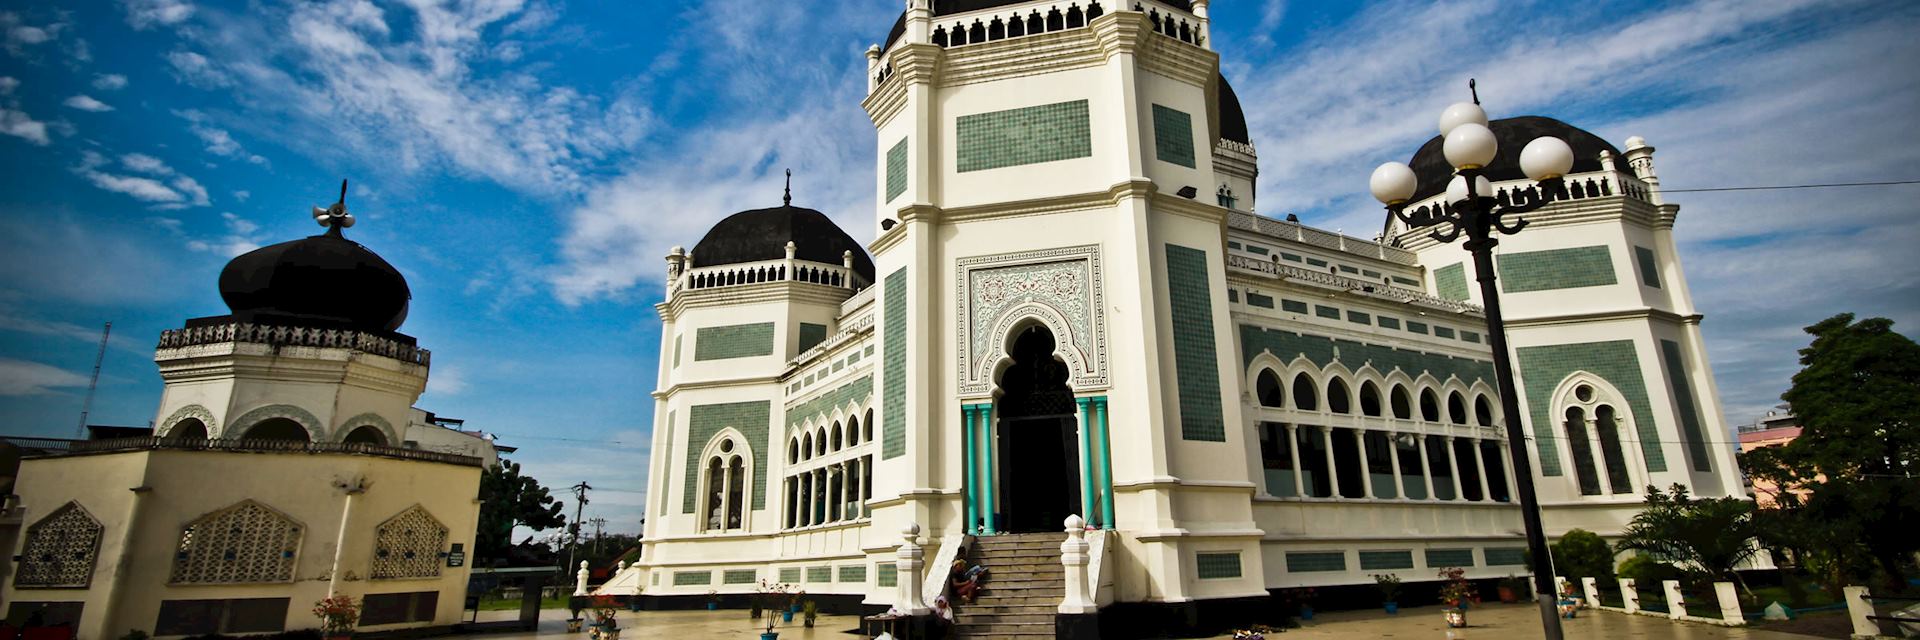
(573, 625)
(1507, 595)
(712, 606)
(1393, 608)
(809, 622)
(770, 635)
(795, 607)
(786, 616)
(339, 635)
(1306, 612)
(1457, 618)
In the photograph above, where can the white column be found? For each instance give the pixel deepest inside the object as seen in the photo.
(1426, 467)
(1393, 459)
(1480, 460)
(1073, 557)
(1333, 472)
(1366, 465)
(1293, 451)
(908, 560)
(1599, 456)
(340, 541)
(1506, 471)
(1453, 454)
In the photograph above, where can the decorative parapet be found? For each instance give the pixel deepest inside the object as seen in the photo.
(1291, 273)
(281, 336)
(1324, 239)
(118, 445)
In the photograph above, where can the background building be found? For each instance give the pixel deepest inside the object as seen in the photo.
(274, 474)
(1073, 308)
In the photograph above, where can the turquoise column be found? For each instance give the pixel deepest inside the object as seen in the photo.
(972, 476)
(1086, 458)
(988, 441)
(1106, 464)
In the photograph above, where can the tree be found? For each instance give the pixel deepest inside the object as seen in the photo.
(509, 500)
(1706, 537)
(1582, 554)
(1850, 497)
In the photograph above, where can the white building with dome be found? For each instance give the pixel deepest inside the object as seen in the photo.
(1072, 307)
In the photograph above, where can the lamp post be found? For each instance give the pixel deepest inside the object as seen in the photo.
(1470, 208)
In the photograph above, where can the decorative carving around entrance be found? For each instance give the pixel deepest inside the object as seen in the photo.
(239, 426)
(183, 413)
(1058, 287)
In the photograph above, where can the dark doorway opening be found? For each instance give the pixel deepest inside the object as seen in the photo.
(1037, 439)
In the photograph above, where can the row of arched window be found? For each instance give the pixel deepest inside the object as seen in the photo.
(276, 429)
(823, 487)
(769, 273)
(1594, 430)
(827, 439)
(1014, 26)
(1305, 395)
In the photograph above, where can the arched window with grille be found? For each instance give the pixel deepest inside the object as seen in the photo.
(724, 478)
(60, 550)
(409, 545)
(245, 543)
(1583, 468)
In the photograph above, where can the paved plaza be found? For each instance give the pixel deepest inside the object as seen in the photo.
(1492, 622)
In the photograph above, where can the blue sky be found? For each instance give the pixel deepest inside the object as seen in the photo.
(527, 163)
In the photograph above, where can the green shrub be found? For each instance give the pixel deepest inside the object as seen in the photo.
(1582, 554)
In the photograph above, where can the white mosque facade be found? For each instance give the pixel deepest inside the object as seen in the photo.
(1071, 307)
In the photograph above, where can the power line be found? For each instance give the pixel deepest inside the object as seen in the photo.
(1795, 186)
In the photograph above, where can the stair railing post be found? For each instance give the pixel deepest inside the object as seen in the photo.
(908, 561)
(1590, 587)
(1859, 606)
(1676, 601)
(1629, 595)
(1073, 555)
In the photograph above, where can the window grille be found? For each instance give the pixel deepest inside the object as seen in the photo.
(60, 549)
(244, 543)
(408, 545)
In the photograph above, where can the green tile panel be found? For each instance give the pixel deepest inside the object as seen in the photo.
(1555, 269)
(739, 576)
(1321, 351)
(1649, 267)
(1305, 561)
(1450, 281)
(1689, 415)
(1387, 323)
(1442, 332)
(1293, 306)
(1349, 269)
(733, 341)
(1233, 245)
(1028, 135)
(1505, 556)
(690, 578)
(1233, 295)
(853, 573)
(1417, 327)
(1378, 560)
(897, 170)
(820, 574)
(1359, 317)
(1470, 336)
(1173, 137)
(886, 574)
(1257, 300)
(811, 335)
(893, 397)
(1400, 280)
(1542, 369)
(1194, 360)
(1216, 565)
(705, 421)
(1256, 250)
(676, 349)
(1440, 558)
(1316, 262)
(823, 405)
(1326, 312)
(790, 575)
(1289, 257)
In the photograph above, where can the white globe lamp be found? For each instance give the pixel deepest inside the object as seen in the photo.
(1460, 113)
(1457, 188)
(1546, 157)
(1393, 182)
(1470, 146)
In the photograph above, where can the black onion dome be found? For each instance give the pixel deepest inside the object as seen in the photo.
(950, 7)
(763, 234)
(324, 281)
(1513, 134)
(1233, 121)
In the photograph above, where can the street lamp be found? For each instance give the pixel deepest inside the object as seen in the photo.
(1470, 208)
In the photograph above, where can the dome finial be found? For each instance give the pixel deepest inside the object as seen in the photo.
(335, 218)
(1473, 90)
(786, 198)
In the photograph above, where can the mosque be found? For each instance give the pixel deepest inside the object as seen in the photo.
(1071, 307)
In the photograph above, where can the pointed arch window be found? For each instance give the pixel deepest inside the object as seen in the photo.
(1338, 399)
(1456, 408)
(60, 550)
(1482, 411)
(1429, 406)
(409, 545)
(1602, 462)
(1305, 396)
(1402, 404)
(1619, 479)
(1369, 399)
(1584, 472)
(1267, 387)
(244, 543)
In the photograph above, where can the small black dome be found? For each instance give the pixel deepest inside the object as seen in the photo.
(324, 281)
(763, 234)
(1513, 134)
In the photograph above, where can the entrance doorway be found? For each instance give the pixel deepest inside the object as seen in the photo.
(1037, 438)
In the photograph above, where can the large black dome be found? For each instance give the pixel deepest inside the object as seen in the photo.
(763, 234)
(1513, 134)
(324, 281)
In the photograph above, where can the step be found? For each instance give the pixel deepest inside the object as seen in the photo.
(1011, 618)
(1049, 554)
(1011, 567)
(1005, 630)
(1005, 583)
(1004, 609)
(1039, 600)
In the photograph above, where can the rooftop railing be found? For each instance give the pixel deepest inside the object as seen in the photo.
(295, 337)
(118, 445)
(1289, 272)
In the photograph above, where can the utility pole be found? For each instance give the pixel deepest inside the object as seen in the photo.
(579, 503)
(87, 405)
(598, 523)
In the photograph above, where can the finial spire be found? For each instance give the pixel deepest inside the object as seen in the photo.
(1474, 90)
(335, 218)
(786, 198)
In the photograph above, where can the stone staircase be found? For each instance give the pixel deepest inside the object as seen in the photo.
(1024, 586)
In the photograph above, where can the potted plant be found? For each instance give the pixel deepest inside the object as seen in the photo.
(812, 610)
(605, 627)
(337, 616)
(1569, 604)
(713, 599)
(1510, 589)
(794, 593)
(769, 634)
(1456, 593)
(1303, 596)
(1389, 585)
(576, 604)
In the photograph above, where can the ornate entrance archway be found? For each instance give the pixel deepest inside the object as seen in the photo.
(1036, 438)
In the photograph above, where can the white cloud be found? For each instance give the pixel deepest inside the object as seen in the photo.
(17, 123)
(143, 14)
(242, 235)
(197, 70)
(87, 103)
(145, 164)
(21, 36)
(25, 378)
(161, 184)
(447, 380)
(242, 195)
(8, 84)
(109, 82)
(219, 142)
